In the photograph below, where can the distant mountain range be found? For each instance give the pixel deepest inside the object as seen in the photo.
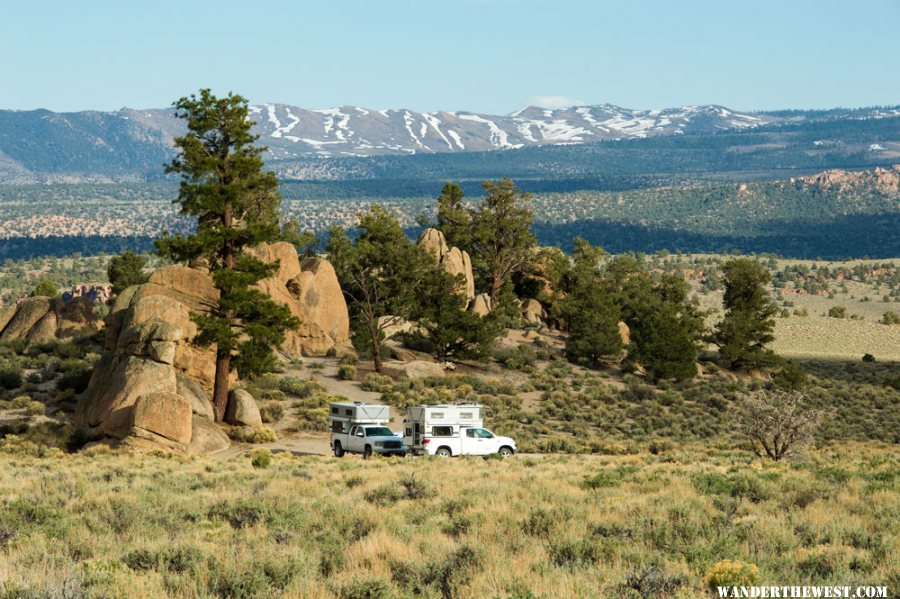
(132, 145)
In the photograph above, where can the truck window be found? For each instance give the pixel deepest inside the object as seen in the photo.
(378, 431)
(337, 427)
(484, 434)
(470, 432)
(359, 431)
(442, 431)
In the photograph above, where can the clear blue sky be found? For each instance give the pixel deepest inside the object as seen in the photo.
(482, 55)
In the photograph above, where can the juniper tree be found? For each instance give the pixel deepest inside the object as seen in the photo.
(749, 321)
(235, 203)
(125, 270)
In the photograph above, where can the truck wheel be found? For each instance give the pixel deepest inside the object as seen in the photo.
(506, 451)
(367, 452)
(338, 450)
(443, 452)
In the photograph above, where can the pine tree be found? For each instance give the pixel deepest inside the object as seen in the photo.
(451, 330)
(749, 320)
(592, 319)
(665, 340)
(591, 315)
(380, 275)
(502, 241)
(125, 270)
(454, 219)
(235, 201)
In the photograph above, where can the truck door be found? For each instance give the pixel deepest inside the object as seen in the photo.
(470, 442)
(357, 438)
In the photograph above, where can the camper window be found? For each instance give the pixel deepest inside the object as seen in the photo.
(437, 415)
(442, 431)
(465, 415)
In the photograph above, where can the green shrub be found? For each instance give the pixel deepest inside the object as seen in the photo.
(520, 357)
(246, 434)
(347, 372)
(261, 458)
(271, 411)
(727, 573)
(868, 358)
(11, 378)
(366, 589)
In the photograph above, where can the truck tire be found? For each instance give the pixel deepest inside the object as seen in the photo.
(367, 452)
(443, 452)
(338, 450)
(506, 451)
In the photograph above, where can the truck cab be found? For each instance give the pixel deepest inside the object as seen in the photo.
(362, 428)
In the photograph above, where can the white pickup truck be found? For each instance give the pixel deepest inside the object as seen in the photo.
(452, 430)
(361, 428)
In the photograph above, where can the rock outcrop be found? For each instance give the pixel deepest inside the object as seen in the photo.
(454, 260)
(884, 180)
(153, 386)
(533, 312)
(39, 320)
(149, 361)
(481, 305)
(161, 420)
(310, 289)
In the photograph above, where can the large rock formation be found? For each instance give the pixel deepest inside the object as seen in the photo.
(454, 260)
(153, 386)
(310, 289)
(42, 319)
(151, 378)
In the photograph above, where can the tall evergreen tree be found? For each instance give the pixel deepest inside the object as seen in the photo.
(749, 320)
(502, 241)
(666, 336)
(452, 331)
(454, 219)
(235, 201)
(381, 276)
(591, 315)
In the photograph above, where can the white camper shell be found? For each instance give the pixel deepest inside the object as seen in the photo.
(362, 428)
(451, 430)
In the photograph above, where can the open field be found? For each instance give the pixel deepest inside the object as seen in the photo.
(106, 525)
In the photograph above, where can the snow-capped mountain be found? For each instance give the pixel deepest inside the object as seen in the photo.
(290, 132)
(129, 144)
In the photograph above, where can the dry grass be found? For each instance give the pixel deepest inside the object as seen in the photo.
(109, 525)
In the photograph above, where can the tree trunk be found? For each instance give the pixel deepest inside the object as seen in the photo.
(220, 386)
(496, 285)
(223, 358)
(376, 353)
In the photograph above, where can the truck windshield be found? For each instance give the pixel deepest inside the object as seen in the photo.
(378, 431)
